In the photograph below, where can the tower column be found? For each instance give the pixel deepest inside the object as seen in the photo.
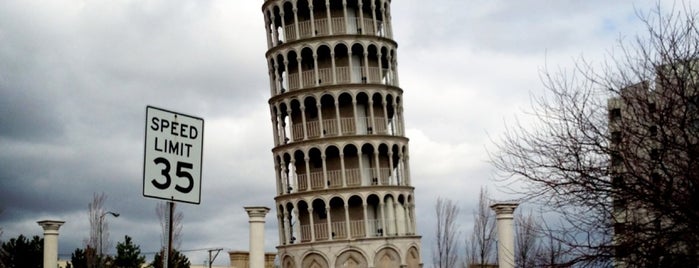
(332, 61)
(291, 124)
(287, 226)
(286, 80)
(268, 30)
(367, 226)
(303, 121)
(361, 18)
(330, 22)
(382, 206)
(319, 108)
(377, 167)
(373, 16)
(393, 177)
(257, 235)
(308, 173)
(312, 224)
(506, 239)
(342, 169)
(280, 218)
(329, 222)
(296, 21)
(326, 180)
(313, 20)
(50, 242)
(337, 115)
(286, 38)
(347, 220)
(371, 115)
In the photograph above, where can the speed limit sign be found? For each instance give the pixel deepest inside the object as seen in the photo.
(173, 156)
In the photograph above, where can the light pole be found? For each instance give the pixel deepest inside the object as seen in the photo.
(100, 232)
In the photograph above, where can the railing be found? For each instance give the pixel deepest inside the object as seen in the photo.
(375, 228)
(334, 178)
(307, 77)
(358, 75)
(302, 182)
(321, 231)
(290, 33)
(317, 181)
(297, 132)
(339, 26)
(358, 229)
(367, 27)
(294, 82)
(305, 233)
(330, 127)
(339, 230)
(348, 126)
(352, 175)
(321, 27)
(325, 76)
(305, 29)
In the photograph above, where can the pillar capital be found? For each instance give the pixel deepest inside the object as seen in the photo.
(504, 209)
(50, 226)
(257, 212)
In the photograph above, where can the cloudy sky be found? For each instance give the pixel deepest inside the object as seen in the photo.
(76, 76)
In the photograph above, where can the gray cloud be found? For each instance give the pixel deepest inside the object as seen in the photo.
(76, 76)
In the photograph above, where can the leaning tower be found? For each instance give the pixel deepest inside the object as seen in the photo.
(344, 194)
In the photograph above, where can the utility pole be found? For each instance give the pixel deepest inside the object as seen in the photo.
(211, 260)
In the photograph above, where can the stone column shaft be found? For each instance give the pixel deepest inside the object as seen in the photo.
(50, 242)
(504, 214)
(257, 235)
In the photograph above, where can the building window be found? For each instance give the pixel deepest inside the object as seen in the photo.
(614, 114)
(654, 154)
(616, 137)
(617, 160)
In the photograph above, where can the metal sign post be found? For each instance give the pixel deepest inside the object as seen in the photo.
(172, 161)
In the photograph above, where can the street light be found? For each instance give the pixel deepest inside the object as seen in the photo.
(100, 230)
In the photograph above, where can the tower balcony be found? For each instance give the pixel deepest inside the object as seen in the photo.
(372, 228)
(337, 26)
(353, 177)
(347, 126)
(343, 75)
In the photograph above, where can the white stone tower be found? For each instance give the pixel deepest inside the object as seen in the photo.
(344, 197)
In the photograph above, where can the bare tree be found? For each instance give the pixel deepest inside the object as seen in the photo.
(445, 251)
(614, 150)
(162, 210)
(526, 240)
(480, 247)
(99, 229)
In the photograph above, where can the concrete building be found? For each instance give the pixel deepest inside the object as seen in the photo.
(654, 148)
(344, 194)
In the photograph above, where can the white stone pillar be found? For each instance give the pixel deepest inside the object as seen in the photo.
(506, 239)
(50, 242)
(257, 235)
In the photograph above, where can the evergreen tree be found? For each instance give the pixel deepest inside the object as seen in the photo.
(128, 255)
(78, 259)
(178, 260)
(21, 252)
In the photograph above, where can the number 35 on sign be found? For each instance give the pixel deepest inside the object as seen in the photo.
(173, 156)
